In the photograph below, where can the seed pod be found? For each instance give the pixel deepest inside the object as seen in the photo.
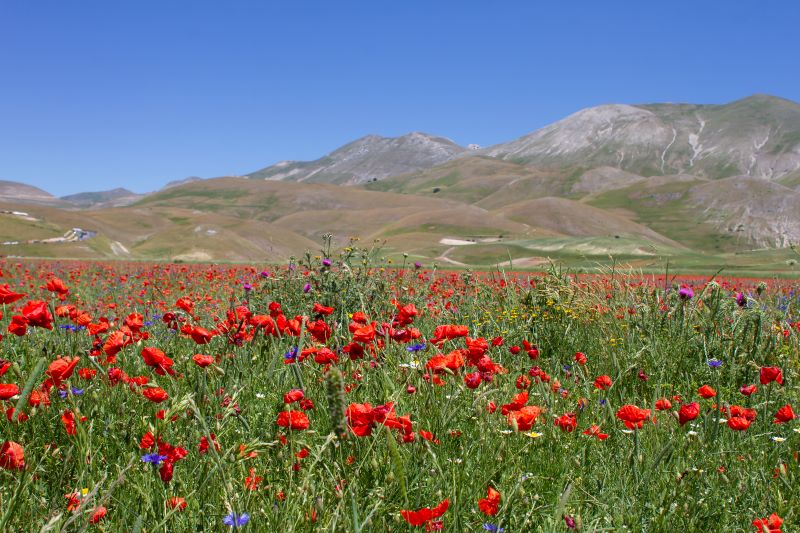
(334, 386)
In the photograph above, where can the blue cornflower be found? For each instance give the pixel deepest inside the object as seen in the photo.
(153, 458)
(714, 363)
(416, 347)
(75, 392)
(493, 528)
(235, 520)
(291, 355)
(566, 368)
(68, 327)
(148, 323)
(602, 401)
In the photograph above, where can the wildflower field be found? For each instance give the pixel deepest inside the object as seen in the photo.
(331, 395)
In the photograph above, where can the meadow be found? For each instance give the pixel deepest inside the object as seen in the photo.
(332, 394)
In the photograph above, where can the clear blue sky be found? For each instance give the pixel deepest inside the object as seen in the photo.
(100, 94)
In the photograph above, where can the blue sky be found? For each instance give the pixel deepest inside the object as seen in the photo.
(99, 94)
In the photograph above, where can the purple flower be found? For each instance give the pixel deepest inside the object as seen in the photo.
(416, 347)
(235, 520)
(569, 521)
(326, 262)
(714, 363)
(153, 458)
(306, 288)
(247, 287)
(264, 274)
(741, 299)
(491, 528)
(417, 265)
(685, 293)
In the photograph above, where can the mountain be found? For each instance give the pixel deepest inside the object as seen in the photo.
(757, 136)
(114, 198)
(12, 191)
(367, 159)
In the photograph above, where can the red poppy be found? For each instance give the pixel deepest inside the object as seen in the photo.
(98, 515)
(155, 394)
(426, 514)
(580, 358)
(472, 380)
(295, 420)
(771, 524)
(663, 405)
(57, 286)
(747, 390)
(524, 418)
(768, 374)
(202, 360)
(594, 431)
(12, 456)
(61, 369)
(156, 359)
(738, 423)
(7, 296)
(633, 416)
(37, 315)
(567, 422)
(490, 505)
(365, 334)
(602, 382)
(448, 332)
(320, 309)
(8, 391)
(784, 414)
(706, 392)
(442, 363)
(688, 412)
(18, 325)
(200, 335)
(294, 395)
(68, 420)
(176, 502)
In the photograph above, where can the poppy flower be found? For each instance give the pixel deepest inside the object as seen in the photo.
(37, 315)
(602, 382)
(7, 296)
(18, 325)
(61, 369)
(784, 414)
(472, 380)
(633, 416)
(748, 390)
(567, 422)
(155, 358)
(706, 392)
(594, 431)
(771, 524)
(57, 286)
(176, 502)
(426, 514)
(98, 515)
(295, 420)
(12, 456)
(294, 395)
(202, 360)
(663, 405)
(738, 423)
(8, 391)
(155, 394)
(365, 334)
(688, 412)
(524, 418)
(490, 505)
(580, 358)
(448, 332)
(200, 335)
(768, 374)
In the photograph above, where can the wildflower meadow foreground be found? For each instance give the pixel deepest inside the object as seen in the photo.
(332, 395)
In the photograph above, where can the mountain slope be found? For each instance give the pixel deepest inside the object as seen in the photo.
(112, 198)
(367, 159)
(13, 191)
(756, 136)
